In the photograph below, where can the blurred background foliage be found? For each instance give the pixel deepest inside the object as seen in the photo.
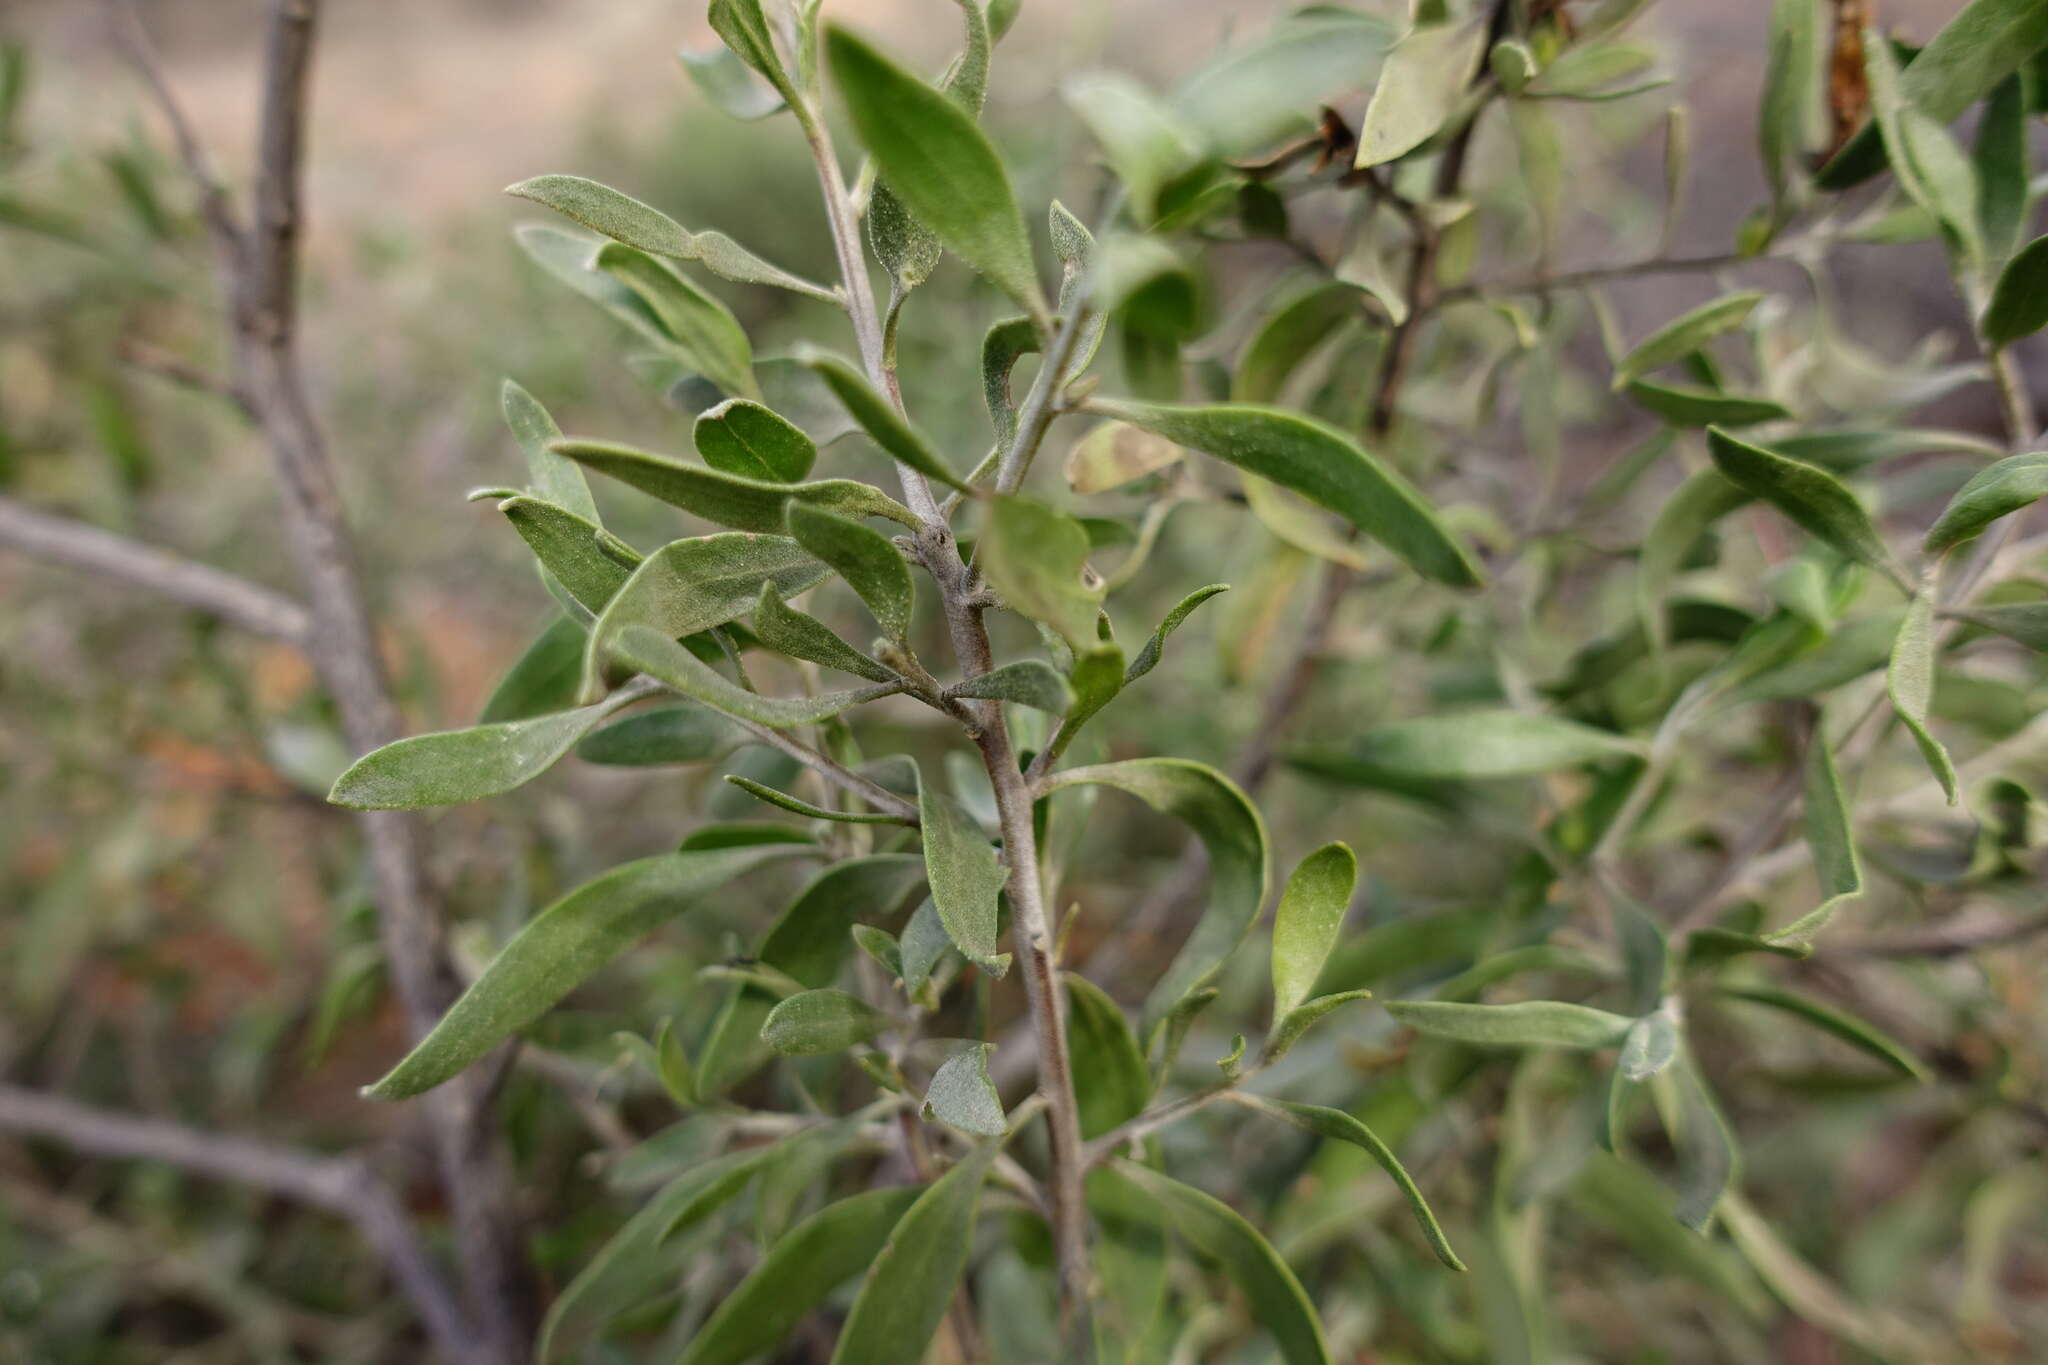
(186, 930)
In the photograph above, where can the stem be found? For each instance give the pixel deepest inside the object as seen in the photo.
(1572, 279)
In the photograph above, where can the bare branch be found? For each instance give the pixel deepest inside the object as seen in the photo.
(840, 776)
(338, 1185)
(132, 35)
(161, 364)
(235, 600)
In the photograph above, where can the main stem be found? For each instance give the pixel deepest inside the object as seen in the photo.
(1031, 928)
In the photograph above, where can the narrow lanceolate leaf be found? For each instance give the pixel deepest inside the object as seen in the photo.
(1111, 1081)
(466, 765)
(1002, 346)
(797, 1275)
(1651, 1045)
(1420, 85)
(906, 1293)
(2000, 159)
(1700, 501)
(885, 426)
(939, 163)
(1831, 838)
(963, 1096)
(724, 80)
(555, 479)
(1529, 1023)
(2019, 302)
(1306, 924)
(743, 26)
(743, 438)
(1680, 337)
(1096, 679)
(1216, 1230)
(1288, 1028)
(541, 680)
(1910, 681)
(589, 562)
(1320, 463)
(668, 663)
(562, 947)
(1117, 453)
(1706, 1148)
(567, 256)
(625, 219)
(818, 1022)
(692, 585)
(745, 504)
(1685, 406)
(965, 877)
(1473, 746)
(709, 336)
(1228, 825)
(1847, 1027)
(1028, 682)
(1339, 1126)
(786, 630)
(2004, 488)
(869, 562)
(1926, 161)
(1035, 559)
(632, 1265)
(2026, 622)
(1143, 140)
(666, 734)
(1812, 497)
(762, 792)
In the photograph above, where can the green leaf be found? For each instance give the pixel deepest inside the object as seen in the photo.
(797, 1275)
(1338, 1126)
(821, 1021)
(1910, 681)
(1098, 681)
(1528, 1023)
(1706, 1149)
(964, 875)
(1288, 1028)
(1288, 336)
(1148, 657)
(665, 734)
(1144, 141)
(761, 791)
(553, 478)
(1027, 682)
(567, 256)
(724, 80)
(885, 426)
(634, 1263)
(1320, 463)
(906, 248)
(938, 163)
(689, 586)
(1832, 840)
(1264, 87)
(1113, 454)
(562, 947)
(2005, 487)
(1474, 745)
(1814, 498)
(589, 562)
(2019, 301)
(786, 630)
(744, 28)
(542, 679)
(962, 1096)
(668, 663)
(710, 337)
(869, 562)
(2026, 622)
(1002, 346)
(466, 765)
(2000, 160)
(1925, 160)
(906, 1293)
(744, 439)
(1683, 335)
(1213, 1228)
(627, 220)
(1789, 105)
(1110, 1079)
(728, 499)
(1588, 71)
(1228, 825)
(1307, 922)
(1684, 406)
(1651, 1045)
(1711, 946)
(1036, 560)
(1827, 1019)
(1421, 86)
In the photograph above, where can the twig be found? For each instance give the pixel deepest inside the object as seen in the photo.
(82, 546)
(161, 364)
(1944, 940)
(338, 1185)
(1150, 1122)
(834, 772)
(1573, 279)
